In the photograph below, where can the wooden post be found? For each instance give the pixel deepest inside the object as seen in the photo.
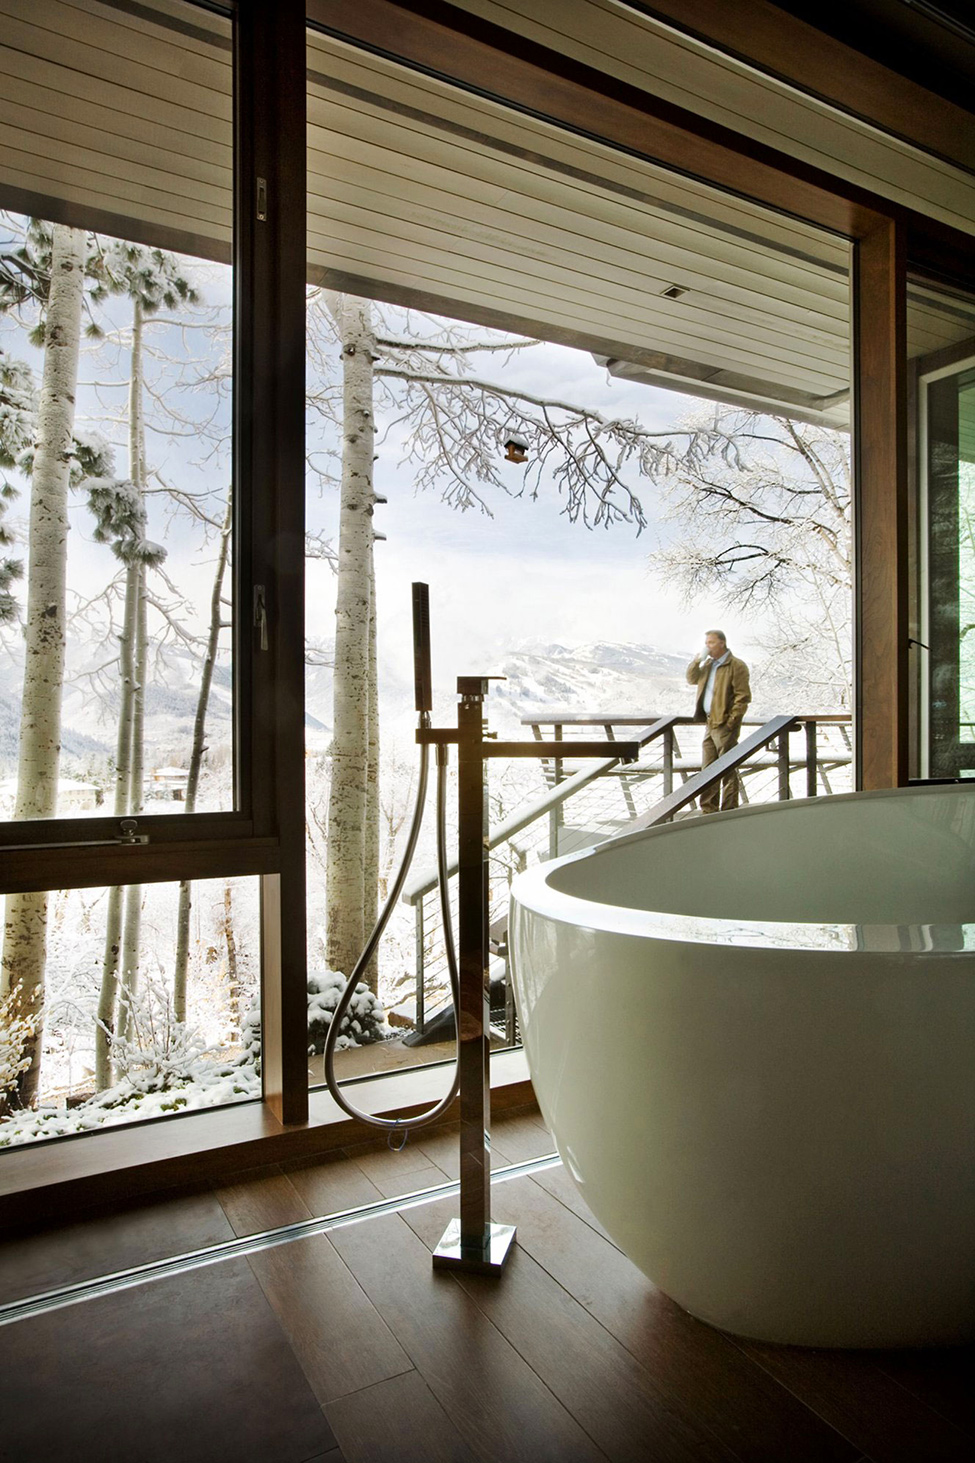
(785, 789)
(269, 472)
(880, 517)
(812, 759)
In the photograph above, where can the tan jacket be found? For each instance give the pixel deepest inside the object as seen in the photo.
(732, 693)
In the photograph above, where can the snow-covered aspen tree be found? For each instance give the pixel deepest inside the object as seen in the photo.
(196, 759)
(346, 848)
(39, 754)
(455, 426)
(151, 279)
(764, 521)
(370, 862)
(17, 408)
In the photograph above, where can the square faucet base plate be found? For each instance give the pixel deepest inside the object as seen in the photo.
(486, 1256)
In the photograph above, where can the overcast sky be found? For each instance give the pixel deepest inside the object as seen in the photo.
(527, 575)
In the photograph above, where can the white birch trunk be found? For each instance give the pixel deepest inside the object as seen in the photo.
(114, 957)
(370, 879)
(39, 758)
(233, 978)
(111, 961)
(132, 904)
(346, 849)
(196, 761)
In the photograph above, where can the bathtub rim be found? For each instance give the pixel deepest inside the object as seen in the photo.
(532, 892)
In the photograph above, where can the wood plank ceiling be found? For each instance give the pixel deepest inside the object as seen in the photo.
(419, 193)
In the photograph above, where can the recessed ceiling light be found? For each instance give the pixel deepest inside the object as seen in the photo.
(674, 292)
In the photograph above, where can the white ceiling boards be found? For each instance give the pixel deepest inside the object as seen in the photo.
(118, 115)
(120, 118)
(424, 194)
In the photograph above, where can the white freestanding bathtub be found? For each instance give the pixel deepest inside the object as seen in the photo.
(753, 1039)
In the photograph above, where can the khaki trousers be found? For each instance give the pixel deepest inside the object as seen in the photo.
(717, 741)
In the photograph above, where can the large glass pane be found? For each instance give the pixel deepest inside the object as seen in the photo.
(174, 1027)
(941, 340)
(115, 411)
(600, 408)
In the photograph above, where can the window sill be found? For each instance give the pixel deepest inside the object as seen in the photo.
(58, 1177)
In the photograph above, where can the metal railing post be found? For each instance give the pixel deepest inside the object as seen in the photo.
(555, 819)
(785, 791)
(421, 956)
(812, 760)
(668, 761)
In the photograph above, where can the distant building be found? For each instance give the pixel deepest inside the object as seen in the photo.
(167, 782)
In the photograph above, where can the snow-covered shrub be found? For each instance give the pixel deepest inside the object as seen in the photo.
(16, 1030)
(250, 1036)
(163, 1066)
(363, 1023)
(158, 1052)
(211, 1084)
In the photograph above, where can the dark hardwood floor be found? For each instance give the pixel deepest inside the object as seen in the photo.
(349, 1346)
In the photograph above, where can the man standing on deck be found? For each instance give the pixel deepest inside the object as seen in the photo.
(723, 694)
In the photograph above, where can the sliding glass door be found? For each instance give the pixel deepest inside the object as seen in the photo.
(945, 638)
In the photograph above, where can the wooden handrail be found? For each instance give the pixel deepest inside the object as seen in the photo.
(729, 762)
(595, 718)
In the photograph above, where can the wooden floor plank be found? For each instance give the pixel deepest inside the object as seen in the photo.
(850, 1392)
(592, 1374)
(443, 1149)
(499, 1406)
(331, 1183)
(740, 1403)
(383, 1422)
(944, 1379)
(520, 1138)
(394, 1184)
(556, 1181)
(264, 1199)
(190, 1369)
(338, 1336)
(379, 1161)
(34, 1260)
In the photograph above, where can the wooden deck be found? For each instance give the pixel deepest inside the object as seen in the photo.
(349, 1346)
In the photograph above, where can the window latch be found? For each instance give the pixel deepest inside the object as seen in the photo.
(260, 615)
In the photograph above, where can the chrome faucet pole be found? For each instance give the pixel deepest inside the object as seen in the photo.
(472, 1242)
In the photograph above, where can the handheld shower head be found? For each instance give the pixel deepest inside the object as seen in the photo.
(422, 673)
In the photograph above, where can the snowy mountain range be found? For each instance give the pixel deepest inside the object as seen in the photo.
(626, 679)
(600, 677)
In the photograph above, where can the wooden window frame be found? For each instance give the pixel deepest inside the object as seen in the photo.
(264, 835)
(269, 405)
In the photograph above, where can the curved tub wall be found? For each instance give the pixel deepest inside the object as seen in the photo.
(774, 1120)
(859, 859)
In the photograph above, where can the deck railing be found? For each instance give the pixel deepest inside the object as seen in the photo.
(582, 807)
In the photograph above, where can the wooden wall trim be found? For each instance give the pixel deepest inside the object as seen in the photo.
(472, 52)
(880, 517)
(762, 35)
(41, 868)
(270, 120)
